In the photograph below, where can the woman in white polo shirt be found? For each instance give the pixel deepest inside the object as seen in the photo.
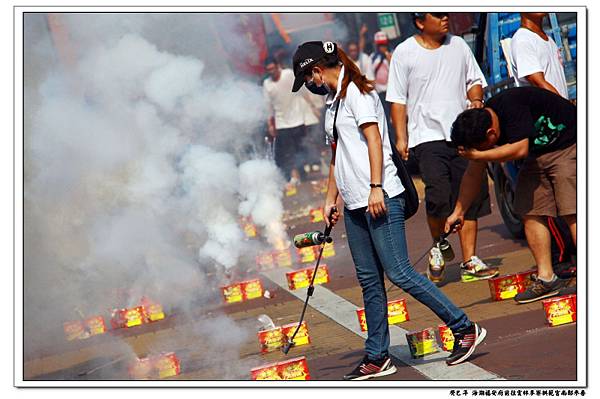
(363, 173)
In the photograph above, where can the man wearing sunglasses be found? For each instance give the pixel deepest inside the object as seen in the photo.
(433, 78)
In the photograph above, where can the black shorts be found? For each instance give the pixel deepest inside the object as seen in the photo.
(442, 170)
(288, 150)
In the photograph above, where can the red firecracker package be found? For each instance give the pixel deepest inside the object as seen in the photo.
(328, 250)
(306, 254)
(397, 313)
(163, 365)
(290, 190)
(270, 340)
(294, 369)
(322, 274)
(283, 258)
(298, 278)
(233, 293)
(422, 343)
(74, 330)
(525, 279)
(362, 319)
(95, 325)
(118, 318)
(153, 311)
(266, 372)
(265, 261)
(252, 289)
(316, 215)
(561, 310)
(446, 337)
(301, 338)
(167, 365)
(134, 316)
(504, 287)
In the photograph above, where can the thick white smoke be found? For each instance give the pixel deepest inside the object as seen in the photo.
(135, 174)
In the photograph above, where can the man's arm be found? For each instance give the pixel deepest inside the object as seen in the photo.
(470, 186)
(506, 152)
(399, 121)
(475, 96)
(361, 38)
(538, 79)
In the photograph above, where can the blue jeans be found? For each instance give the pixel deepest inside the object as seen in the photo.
(378, 246)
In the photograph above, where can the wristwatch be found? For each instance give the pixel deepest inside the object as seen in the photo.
(375, 185)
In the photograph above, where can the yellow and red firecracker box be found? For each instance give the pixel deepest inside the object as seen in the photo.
(167, 365)
(446, 337)
(293, 369)
(250, 230)
(265, 261)
(328, 250)
(134, 316)
(301, 338)
(316, 215)
(74, 330)
(270, 340)
(252, 289)
(561, 310)
(397, 313)
(118, 318)
(422, 343)
(505, 287)
(95, 325)
(301, 278)
(233, 293)
(154, 312)
(290, 190)
(266, 372)
(525, 279)
(306, 254)
(283, 258)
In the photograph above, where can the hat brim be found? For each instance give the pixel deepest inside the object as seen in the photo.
(298, 82)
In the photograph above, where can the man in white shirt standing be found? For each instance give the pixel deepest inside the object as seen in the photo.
(286, 119)
(433, 78)
(535, 58)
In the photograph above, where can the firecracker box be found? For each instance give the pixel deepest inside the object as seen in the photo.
(95, 325)
(328, 250)
(290, 190)
(446, 337)
(505, 287)
(525, 278)
(167, 365)
(397, 313)
(422, 343)
(301, 278)
(74, 330)
(301, 338)
(252, 289)
(298, 278)
(250, 230)
(283, 258)
(561, 310)
(118, 318)
(265, 261)
(317, 215)
(233, 293)
(154, 312)
(294, 369)
(266, 372)
(270, 340)
(306, 254)
(134, 316)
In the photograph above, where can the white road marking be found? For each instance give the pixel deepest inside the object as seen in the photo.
(343, 312)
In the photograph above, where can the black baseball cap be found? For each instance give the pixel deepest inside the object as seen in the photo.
(306, 56)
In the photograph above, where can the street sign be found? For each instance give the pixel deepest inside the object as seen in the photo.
(388, 23)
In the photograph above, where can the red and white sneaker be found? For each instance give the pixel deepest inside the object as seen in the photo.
(465, 342)
(371, 369)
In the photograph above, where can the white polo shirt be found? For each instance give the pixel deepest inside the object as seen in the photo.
(433, 84)
(352, 167)
(530, 54)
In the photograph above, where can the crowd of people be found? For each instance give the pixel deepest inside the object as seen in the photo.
(433, 89)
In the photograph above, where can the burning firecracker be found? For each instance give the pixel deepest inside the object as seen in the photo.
(301, 338)
(422, 343)
(328, 250)
(317, 215)
(561, 310)
(134, 316)
(270, 340)
(446, 337)
(74, 330)
(397, 313)
(95, 325)
(152, 311)
(265, 261)
(160, 366)
(283, 258)
(233, 293)
(294, 369)
(306, 254)
(249, 228)
(301, 278)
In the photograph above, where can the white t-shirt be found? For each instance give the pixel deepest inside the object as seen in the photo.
(530, 54)
(380, 72)
(287, 107)
(433, 84)
(365, 65)
(352, 167)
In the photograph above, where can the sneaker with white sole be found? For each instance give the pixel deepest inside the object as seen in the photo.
(368, 369)
(465, 342)
(435, 270)
(475, 269)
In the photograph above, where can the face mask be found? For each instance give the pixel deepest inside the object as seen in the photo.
(322, 90)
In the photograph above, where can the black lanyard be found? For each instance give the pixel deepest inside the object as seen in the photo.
(335, 133)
